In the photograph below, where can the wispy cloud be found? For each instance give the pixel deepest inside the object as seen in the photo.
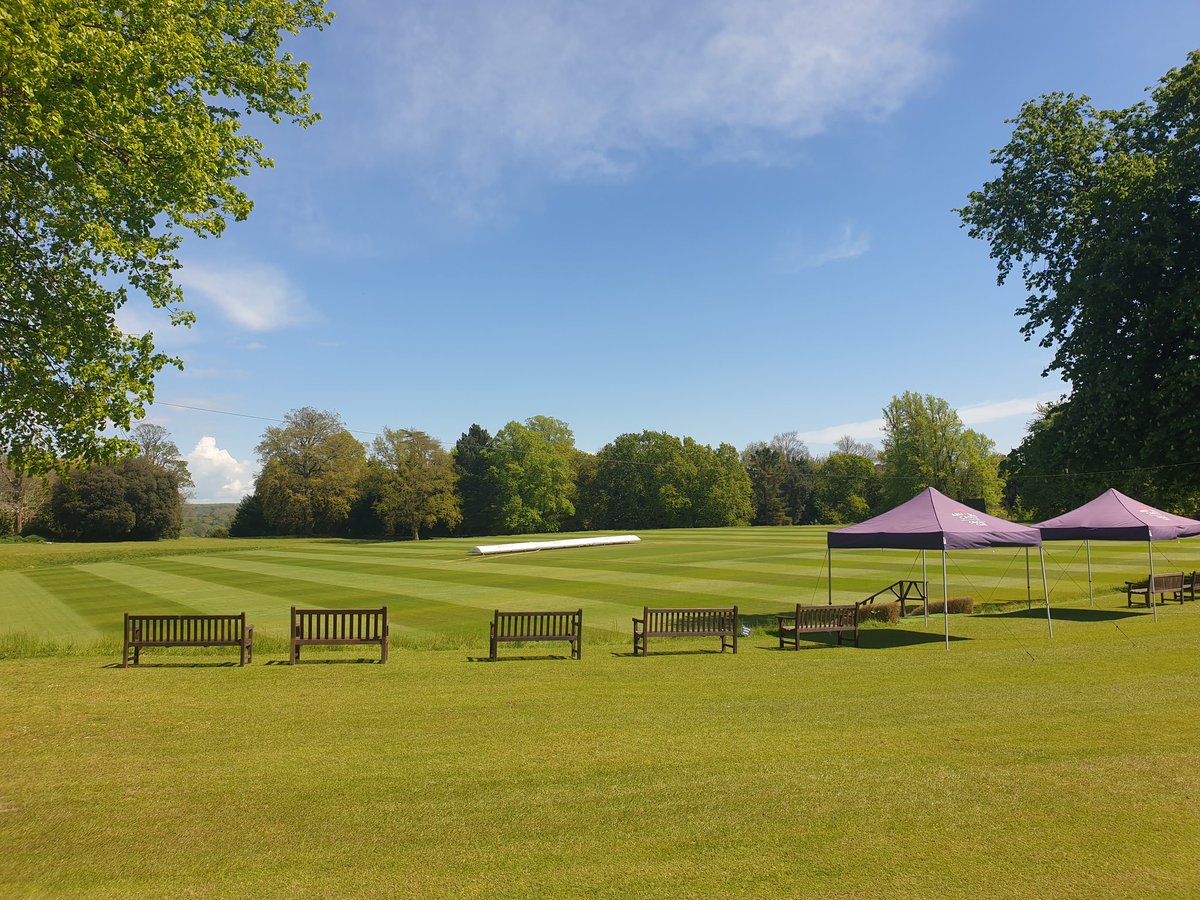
(571, 90)
(218, 476)
(981, 413)
(253, 297)
(870, 430)
(803, 251)
(971, 415)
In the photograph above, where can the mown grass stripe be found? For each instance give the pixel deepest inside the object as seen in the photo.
(100, 601)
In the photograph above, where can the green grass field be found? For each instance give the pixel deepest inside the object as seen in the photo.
(1012, 765)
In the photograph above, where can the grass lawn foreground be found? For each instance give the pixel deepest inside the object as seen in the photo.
(1010, 766)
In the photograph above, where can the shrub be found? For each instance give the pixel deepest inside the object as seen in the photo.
(880, 612)
(957, 605)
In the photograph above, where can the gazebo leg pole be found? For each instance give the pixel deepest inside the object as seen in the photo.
(925, 585)
(829, 574)
(1091, 598)
(1028, 583)
(1046, 592)
(945, 601)
(1150, 583)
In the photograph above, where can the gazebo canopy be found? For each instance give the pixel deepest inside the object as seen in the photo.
(1115, 517)
(932, 521)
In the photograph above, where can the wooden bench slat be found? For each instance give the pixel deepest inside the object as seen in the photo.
(830, 619)
(686, 622)
(338, 627)
(188, 630)
(539, 625)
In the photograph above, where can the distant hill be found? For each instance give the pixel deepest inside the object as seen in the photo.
(200, 519)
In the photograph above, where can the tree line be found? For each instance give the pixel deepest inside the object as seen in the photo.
(317, 478)
(529, 477)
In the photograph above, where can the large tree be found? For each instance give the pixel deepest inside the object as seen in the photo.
(121, 128)
(531, 475)
(471, 461)
(846, 488)
(1100, 210)
(926, 445)
(23, 498)
(133, 499)
(657, 480)
(311, 467)
(415, 482)
(154, 443)
(781, 479)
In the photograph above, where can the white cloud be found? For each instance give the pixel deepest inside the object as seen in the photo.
(218, 476)
(972, 415)
(870, 430)
(804, 252)
(586, 90)
(254, 297)
(980, 413)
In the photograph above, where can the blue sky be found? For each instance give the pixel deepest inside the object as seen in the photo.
(717, 219)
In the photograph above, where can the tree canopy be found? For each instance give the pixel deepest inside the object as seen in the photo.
(120, 129)
(656, 480)
(415, 480)
(134, 499)
(531, 477)
(1100, 210)
(311, 471)
(926, 445)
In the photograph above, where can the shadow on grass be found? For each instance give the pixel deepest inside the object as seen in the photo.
(630, 655)
(488, 659)
(1072, 615)
(175, 665)
(868, 639)
(326, 662)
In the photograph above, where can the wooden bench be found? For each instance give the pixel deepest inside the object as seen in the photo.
(1190, 584)
(334, 627)
(186, 631)
(835, 619)
(1162, 585)
(719, 622)
(537, 626)
(904, 591)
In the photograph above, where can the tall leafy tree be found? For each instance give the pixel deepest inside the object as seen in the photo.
(23, 497)
(154, 443)
(926, 445)
(846, 488)
(656, 480)
(121, 129)
(471, 462)
(311, 466)
(768, 471)
(416, 481)
(1099, 211)
(531, 477)
(133, 499)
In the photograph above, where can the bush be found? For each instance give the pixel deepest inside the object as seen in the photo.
(880, 612)
(957, 605)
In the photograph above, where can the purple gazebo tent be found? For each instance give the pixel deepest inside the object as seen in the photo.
(932, 521)
(1115, 517)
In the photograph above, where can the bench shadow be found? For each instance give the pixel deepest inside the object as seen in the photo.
(176, 665)
(1070, 614)
(325, 662)
(487, 659)
(630, 654)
